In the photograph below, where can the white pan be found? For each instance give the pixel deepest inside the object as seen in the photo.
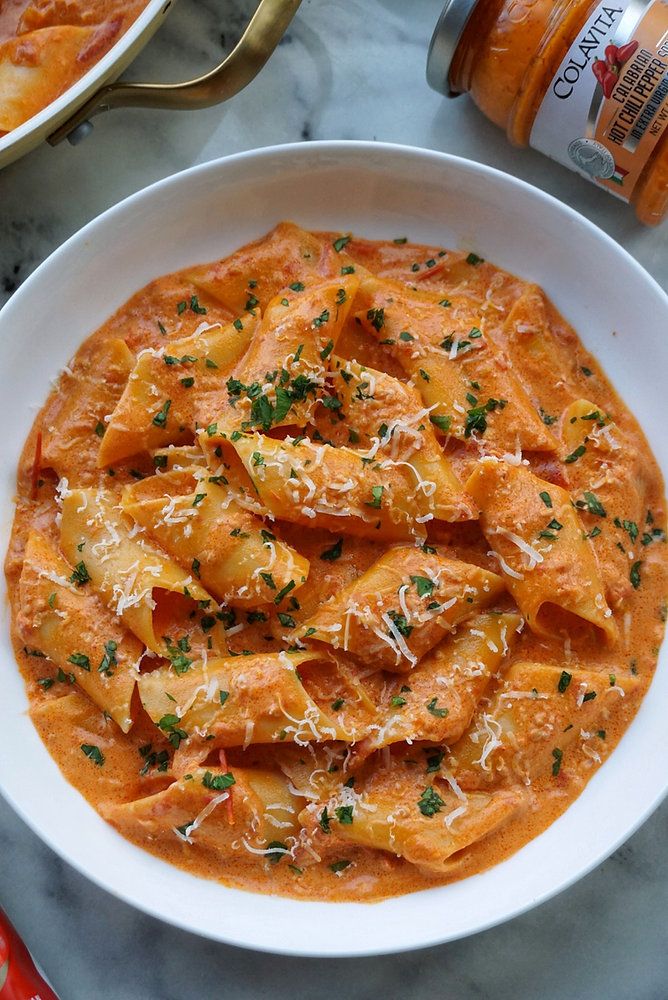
(69, 115)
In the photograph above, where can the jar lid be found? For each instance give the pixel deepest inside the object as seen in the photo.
(444, 42)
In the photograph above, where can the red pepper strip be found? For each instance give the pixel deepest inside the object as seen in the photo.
(624, 52)
(425, 271)
(609, 83)
(600, 70)
(36, 467)
(611, 55)
(229, 806)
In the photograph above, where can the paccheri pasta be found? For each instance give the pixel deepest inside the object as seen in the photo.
(46, 46)
(338, 567)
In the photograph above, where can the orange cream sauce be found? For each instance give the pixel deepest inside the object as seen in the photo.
(509, 309)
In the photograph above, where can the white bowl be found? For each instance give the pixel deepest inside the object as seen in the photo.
(377, 191)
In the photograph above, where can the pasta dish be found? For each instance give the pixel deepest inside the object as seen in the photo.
(338, 567)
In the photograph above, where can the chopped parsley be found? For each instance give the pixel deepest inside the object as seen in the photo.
(377, 494)
(400, 623)
(423, 585)
(290, 585)
(594, 505)
(439, 713)
(80, 575)
(339, 866)
(176, 654)
(443, 423)
(476, 416)
(170, 725)
(276, 850)
(564, 681)
(574, 455)
(80, 660)
(160, 419)
(218, 782)
(333, 553)
(434, 760)
(430, 802)
(93, 753)
(341, 242)
(109, 659)
(377, 318)
(324, 821)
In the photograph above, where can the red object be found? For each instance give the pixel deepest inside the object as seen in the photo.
(600, 70)
(609, 83)
(612, 56)
(19, 979)
(624, 52)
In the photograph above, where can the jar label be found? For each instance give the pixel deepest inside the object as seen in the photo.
(607, 106)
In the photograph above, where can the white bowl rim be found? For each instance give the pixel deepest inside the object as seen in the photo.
(426, 937)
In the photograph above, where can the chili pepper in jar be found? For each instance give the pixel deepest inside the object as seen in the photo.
(584, 82)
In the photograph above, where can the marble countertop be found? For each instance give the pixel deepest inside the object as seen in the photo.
(350, 69)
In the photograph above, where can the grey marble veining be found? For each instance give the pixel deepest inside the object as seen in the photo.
(346, 69)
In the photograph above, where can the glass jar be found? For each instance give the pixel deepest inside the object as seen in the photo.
(582, 81)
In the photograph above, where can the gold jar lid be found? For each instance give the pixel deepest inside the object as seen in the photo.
(444, 42)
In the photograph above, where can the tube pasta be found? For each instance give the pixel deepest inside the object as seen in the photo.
(256, 273)
(424, 821)
(386, 420)
(530, 342)
(317, 485)
(125, 569)
(535, 718)
(446, 686)
(238, 701)
(77, 633)
(240, 561)
(71, 425)
(172, 391)
(193, 811)
(600, 483)
(283, 373)
(547, 563)
(395, 612)
(422, 337)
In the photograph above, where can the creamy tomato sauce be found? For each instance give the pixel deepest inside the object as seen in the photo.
(470, 658)
(47, 45)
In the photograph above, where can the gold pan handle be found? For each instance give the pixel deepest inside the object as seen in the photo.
(264, 32)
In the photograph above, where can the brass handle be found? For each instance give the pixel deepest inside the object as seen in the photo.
(264, 32)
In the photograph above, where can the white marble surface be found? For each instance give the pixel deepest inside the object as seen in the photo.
(347, 69)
